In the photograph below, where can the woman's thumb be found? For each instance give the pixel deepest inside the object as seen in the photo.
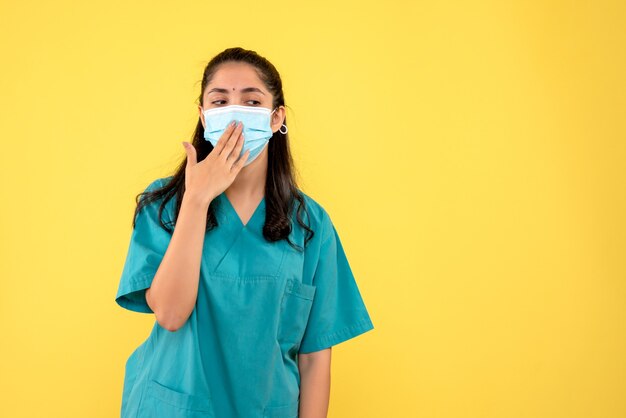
(191, 153)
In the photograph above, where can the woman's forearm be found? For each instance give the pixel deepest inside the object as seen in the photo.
(174, 290)
(314, 383)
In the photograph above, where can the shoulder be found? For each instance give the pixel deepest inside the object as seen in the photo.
(158, 183)
(153, 200)
(318, 216)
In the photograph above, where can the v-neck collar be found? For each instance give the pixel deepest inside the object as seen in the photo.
(229, 209)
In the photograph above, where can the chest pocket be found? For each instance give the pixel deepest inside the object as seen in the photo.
(295, 308)
(162, 401)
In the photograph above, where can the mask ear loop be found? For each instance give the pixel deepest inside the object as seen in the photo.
(280, 129)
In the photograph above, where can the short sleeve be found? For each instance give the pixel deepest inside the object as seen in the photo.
(148, 243)
(338, 312)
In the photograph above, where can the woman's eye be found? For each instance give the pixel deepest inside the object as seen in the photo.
(256, 102)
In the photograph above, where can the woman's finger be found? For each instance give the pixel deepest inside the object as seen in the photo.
(237, 150)
(231, 142)
(224, 138)
(192, 157)
(240, 162)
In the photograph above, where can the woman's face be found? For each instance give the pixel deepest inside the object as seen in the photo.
(237, 83)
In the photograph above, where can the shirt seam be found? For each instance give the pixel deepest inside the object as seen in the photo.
(134, 285)
(340, 335)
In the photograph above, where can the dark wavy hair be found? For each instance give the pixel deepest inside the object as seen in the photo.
(281, 190)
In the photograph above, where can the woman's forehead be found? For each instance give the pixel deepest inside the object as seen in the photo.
(234, 77)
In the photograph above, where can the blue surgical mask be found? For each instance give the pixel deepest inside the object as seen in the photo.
(256, 126)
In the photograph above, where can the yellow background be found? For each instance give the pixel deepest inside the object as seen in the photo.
(471, 154)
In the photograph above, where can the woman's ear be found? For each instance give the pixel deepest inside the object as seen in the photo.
(201, 116)
(278, 118)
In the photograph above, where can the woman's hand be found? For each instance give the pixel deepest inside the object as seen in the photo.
(210, 177)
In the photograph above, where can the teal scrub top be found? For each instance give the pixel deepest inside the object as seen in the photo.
(259, 305)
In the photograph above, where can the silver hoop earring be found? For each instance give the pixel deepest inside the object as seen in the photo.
(286, 129)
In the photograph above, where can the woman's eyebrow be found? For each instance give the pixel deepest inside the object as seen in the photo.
(225, 91)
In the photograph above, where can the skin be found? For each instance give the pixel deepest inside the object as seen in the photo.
(314, 383)
(174, 290)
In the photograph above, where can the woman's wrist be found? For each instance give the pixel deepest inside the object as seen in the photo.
(195, 200)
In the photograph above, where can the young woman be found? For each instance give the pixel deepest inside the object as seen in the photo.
(251, 288)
